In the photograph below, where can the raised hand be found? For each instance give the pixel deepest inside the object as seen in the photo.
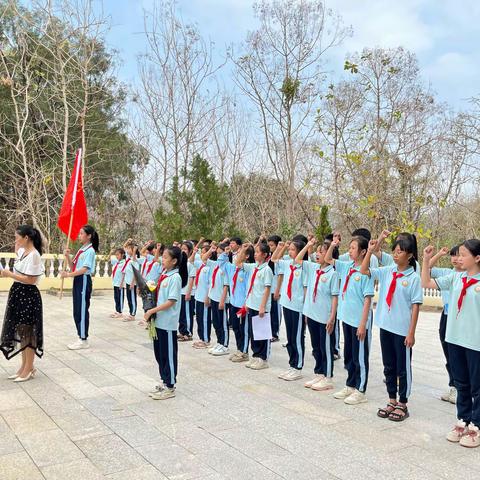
(372, 245)
(428, 252)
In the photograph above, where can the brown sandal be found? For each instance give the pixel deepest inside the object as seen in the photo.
(184, 338)
(385, 412)
(396, 417)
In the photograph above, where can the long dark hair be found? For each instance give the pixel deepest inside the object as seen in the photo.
(181, 258)
(33, 234)
(407, 243)
(411, 238)
(94, 240)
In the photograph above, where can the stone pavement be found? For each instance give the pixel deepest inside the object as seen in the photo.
(87, 415)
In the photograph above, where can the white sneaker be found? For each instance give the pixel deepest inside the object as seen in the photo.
(79, 344)
(324, 384)
(293, 375)
(285, 373)
(221, 350)
(450, 396)
(156, 389)
(356, 398)
(164, 394)
(471, 439)
(310, 383)
(211, 350)
(458, 431)
(252, 362)
(343, 393)
(260, 364)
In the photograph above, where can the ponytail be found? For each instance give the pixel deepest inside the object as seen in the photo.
(33, 234)
(182, 263)
(94, 240)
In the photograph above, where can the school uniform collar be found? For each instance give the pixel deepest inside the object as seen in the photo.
(477, 276)
(171, 272)
(296, 265)
(262, 266)
(326, 269)
(86, 247)
(405, 273)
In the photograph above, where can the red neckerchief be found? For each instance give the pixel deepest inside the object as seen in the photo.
(234, 279)
(466, 285)
(197, 275)
(350, 273)
(319, 274)
(392, 288)
(77, 256)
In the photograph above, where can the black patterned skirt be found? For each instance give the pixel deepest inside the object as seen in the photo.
(23, 322)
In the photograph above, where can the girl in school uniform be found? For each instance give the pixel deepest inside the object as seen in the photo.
(81, 268)
(117, 279)
(462, 337)
(355, 299)
(167, 313)
(217, 295)
(185, 325)
(131, 261)
(276, 308)
(22, 329)
(399, 298)
(258, 299)
(320, 308)
(149, 260)
(437, 272)
(237, 279)
(202, 302)
(291, 300)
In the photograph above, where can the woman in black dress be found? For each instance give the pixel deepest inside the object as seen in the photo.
(23, 324)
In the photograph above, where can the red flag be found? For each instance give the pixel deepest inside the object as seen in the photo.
(73, 214)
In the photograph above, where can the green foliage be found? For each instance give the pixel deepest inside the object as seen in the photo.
(323, 228)
(201, 210)
(351, 67)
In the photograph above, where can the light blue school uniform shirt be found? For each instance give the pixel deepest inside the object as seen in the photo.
(437, 272)
(319, 309)
(170, 289)
(215, 291)
(345, 257)
(154, 274)
(117, 268)
(237, 297)
(262, 280)
(129, 269)
(86, 259)
(296, 302)
(201, 291)
(191, 274)
(408, 292)
(386, 259)
(350, 306)
(463, 328)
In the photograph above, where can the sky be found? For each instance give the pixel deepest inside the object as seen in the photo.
(444, 34)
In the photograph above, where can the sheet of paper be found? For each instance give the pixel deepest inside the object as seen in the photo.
(262, 327)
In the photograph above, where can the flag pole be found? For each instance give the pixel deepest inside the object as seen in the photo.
(79, 165)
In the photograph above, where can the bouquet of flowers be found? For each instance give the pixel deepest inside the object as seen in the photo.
(147, 291)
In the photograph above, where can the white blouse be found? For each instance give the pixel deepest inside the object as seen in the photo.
(30, 264)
